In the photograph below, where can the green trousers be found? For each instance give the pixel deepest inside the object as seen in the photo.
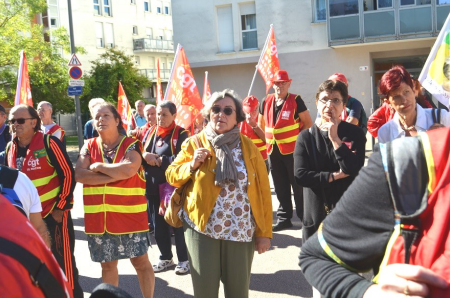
(213, 260)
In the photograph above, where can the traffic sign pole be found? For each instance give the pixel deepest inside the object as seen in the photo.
(77, 99)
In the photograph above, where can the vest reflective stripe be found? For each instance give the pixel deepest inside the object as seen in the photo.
(115, 208)
(282, 129)
(282, 141)
(111, 190)
(44, 180)
(248, 131)
(430, 162)
(49, 195)
(389, 246)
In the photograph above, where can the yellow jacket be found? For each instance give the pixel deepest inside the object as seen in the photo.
(203, 193)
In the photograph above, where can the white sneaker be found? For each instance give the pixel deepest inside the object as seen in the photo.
(182, 268)
(163, 265)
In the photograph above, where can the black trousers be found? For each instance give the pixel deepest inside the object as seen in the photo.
(63, 244)
(282, 170)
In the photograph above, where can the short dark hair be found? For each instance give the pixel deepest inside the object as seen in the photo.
(113, 110)
(169, 105)
(33, 114)
(392, 79)
(216, 96)
(330, 86)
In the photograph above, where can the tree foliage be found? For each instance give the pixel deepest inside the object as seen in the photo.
(47, 68)
(103, 79)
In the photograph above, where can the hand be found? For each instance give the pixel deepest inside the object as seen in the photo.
(94, 167)
(250, 121)
(400, 280)
(151, 159)
(331, 125)
(57, 215)
(200, 155)
(337, 176)
(262, 244)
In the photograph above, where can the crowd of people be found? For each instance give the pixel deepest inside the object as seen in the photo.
(129, 176)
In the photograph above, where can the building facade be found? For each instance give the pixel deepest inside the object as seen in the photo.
(315, 38)
(140, 28)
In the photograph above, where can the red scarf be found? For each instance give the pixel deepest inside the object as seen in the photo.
(164, 131)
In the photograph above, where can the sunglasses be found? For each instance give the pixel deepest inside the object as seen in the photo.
(227, 110)
(19, 120)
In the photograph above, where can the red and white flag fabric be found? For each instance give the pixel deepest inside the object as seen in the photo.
(182, 90)
(124, 109)
(206, 89)
(268, 63)
(159, 93)
(23, 90)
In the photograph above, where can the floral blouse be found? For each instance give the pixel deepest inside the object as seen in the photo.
(231, 217)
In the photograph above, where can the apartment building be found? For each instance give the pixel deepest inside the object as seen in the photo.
(140, 28)
(315, 38)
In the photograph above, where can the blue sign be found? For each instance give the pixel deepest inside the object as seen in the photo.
(74, 90)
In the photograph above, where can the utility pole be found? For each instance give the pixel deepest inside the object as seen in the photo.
(77, 98)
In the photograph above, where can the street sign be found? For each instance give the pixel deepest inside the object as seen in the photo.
(75, 72)
(74, 90)
(76, 82)
(74, 61)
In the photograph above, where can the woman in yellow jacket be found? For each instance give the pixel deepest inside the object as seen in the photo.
(228, 210)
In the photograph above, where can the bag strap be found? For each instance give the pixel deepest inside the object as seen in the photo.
(39, 273)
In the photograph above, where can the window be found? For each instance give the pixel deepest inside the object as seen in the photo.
(133, 2)
(109, 35)
(168, 34)
(320, 11)
(148, 32)
(170, 65)
(106, 8)
(166, 10)
(441, 2)
(97, 7)
(99, 35)
(225, 28)
(345, 7)
(248, 26)
(135, 30)
(158, 9)
(137, 60)
(384, 3)
(53, 22)
(146, 6)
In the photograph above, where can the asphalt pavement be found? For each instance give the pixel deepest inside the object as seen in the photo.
(274, 274)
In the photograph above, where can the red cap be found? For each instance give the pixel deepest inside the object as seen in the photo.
(249, 103)
(338, 77)
(281, 76)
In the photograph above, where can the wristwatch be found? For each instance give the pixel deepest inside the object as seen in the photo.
(254, 127)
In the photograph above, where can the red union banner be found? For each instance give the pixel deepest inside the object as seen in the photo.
(124, 109)
(182, 90)
(23, 90)
(268, 63)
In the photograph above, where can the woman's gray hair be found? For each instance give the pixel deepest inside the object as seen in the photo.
(216, 96)
(169, 105)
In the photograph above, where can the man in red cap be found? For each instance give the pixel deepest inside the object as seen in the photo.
(282, 116)
(250, 127)
(354, 111)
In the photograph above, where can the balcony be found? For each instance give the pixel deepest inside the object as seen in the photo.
(151, 74)
(153, 45)
(366, 21)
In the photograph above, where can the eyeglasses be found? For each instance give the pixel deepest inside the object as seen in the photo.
(227, 110)
(280, 83)
(334, 101)
(19, 120)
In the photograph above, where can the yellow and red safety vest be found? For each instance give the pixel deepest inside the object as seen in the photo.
(119, 207)
(54, 129)
(248, 131)
(287, 127)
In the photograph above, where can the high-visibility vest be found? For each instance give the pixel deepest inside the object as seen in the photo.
(175, 134)
(248, 131)
(287, 127)
(421, 233)
(38, 168)
(54, 129)
(118, 207)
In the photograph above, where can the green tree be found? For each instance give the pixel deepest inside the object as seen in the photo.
(103, 79)
(46, 67)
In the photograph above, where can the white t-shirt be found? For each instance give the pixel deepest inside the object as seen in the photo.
(28, 195)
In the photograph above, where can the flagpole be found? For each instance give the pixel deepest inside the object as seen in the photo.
(171, 72)
(204, 87)
(256, 67)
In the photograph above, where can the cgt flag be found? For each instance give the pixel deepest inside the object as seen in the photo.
(124, 109)
(182, 90)
(435, 75)
(23, 90)
(268, 63)
(206, 89)
(159, 94)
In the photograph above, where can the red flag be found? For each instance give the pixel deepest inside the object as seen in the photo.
(206, 89)
(268, 63)
(182, 90)
(23, 90)
(159, 93)
(124, 109)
